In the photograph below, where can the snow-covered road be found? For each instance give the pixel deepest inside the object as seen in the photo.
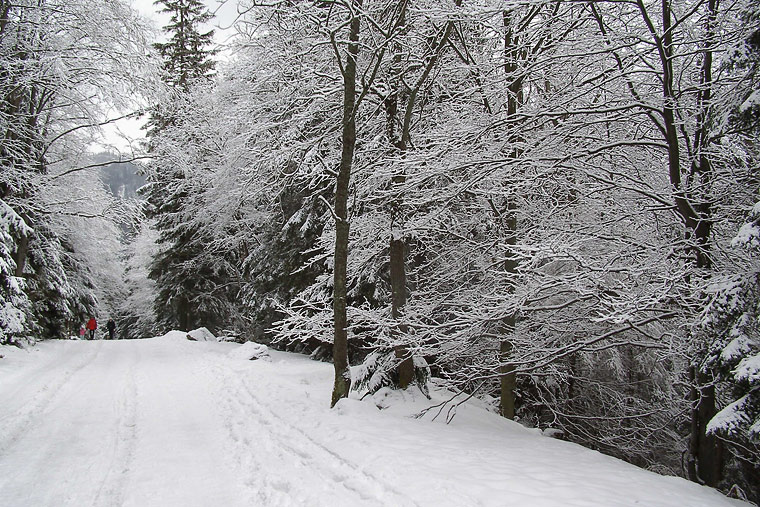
(115, 423)
(168, 422)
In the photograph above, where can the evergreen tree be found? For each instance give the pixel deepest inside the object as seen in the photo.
(181, 277)
(186, 54)
(14, 304)
(730, 320)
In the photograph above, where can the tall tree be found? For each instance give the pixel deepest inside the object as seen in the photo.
(730, 320)
(342, 384)
(187, 54)
(181, 282)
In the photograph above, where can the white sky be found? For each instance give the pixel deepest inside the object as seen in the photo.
(225, 14)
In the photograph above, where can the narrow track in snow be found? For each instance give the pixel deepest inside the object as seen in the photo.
(280, 456)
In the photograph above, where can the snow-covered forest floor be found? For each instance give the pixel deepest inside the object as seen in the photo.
(170, 422)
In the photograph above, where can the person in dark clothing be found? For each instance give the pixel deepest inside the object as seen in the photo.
(92, 325)
(111, 326)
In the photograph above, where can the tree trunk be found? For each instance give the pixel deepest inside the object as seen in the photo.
(183, 313)
(512, 56)
(340, 338)
(22, 250)
(705, 453)
(508, 376)
(398, 283)
(397, 247)
(705, 463)
(405, 368)
(507, 369)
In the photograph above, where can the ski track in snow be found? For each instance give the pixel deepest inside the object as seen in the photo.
(123, 443)
(342, 482)
(78, 430)
(46, 381)
(112, 424)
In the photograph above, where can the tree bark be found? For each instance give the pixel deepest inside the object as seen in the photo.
(397, 247)
(706, 451)
(22, 250)
(342, 383)
(507, 369)
(183, 313)
(405, 368)
(508, 379)
(705, 463)
(398, 244)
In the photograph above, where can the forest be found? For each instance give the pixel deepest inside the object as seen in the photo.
(548, 205)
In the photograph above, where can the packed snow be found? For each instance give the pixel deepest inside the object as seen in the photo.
(173, 422)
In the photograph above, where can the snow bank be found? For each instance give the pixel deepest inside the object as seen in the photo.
(201, 335)
(173, 335)
(250, 351)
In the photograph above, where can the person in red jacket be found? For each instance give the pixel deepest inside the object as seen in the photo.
(92, 325)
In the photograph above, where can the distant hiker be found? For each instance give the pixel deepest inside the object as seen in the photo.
(111, 326)
(81, 332)
(92, 325)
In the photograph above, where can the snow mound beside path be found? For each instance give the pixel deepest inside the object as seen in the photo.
(250, 351)
(201, 335)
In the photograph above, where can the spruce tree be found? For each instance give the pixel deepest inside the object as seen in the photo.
(187, 61)
(186, 54)
(731, 320)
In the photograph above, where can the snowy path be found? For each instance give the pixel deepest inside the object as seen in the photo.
(168, 422)
(113, 423)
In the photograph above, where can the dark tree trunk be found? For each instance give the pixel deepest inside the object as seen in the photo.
(512, 56)
(507, 369)
(340, 338)
(398, 284)
(705, 452)
(508, 377)
(22, 250)
(397, 247)
(398, 244)
(183, 313)
(705, 463)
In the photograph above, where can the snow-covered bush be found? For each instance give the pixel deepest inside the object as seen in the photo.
(380, 369)
(733, 318)
(14, 304)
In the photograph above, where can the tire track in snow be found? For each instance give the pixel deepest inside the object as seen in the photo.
(124, 442)
(26, 418)
(303, 451)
